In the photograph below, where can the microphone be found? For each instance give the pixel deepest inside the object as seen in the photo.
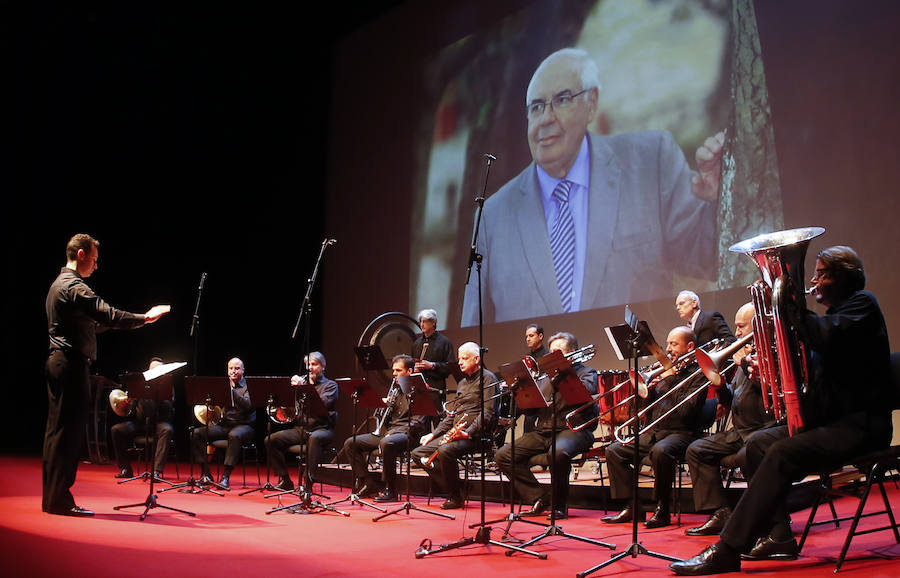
(330, 242)
(202, 281)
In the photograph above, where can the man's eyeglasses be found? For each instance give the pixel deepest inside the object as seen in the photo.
(558, 103)
(821, 274)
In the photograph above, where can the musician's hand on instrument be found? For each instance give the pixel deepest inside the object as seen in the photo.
(424, 364)
(643, 391)
(706, 183)
(156, 312)
(296, 380)
(721, 411)
(464, 435)
(425, 439)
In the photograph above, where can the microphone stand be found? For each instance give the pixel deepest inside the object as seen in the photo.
(483, 534)
(195, 321)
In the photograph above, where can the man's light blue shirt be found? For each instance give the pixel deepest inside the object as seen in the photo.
(580, 176)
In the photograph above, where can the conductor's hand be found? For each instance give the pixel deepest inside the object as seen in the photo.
(709, 168)
(425, 439)
(156, 312)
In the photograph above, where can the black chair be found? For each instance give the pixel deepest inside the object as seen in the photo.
(139, 447)
(249, 452)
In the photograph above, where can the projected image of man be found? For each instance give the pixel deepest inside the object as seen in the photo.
(593, 221)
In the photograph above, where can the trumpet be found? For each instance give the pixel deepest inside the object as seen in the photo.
(121, 404)
(646, 375)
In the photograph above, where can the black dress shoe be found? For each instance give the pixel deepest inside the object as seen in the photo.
(73, 511)
(559, 515)
(284, 484)
(225, 482)
(365, 490)
(768, 549)
(452, 504)
(206, 479)
(716, 559)
(625, 515)
(659, 519)
(158, 475)
(125, 473)
(537, 509)
(713, 526)
(386, 496)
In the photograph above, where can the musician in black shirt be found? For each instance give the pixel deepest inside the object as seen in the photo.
(74, 315)
(435, 357)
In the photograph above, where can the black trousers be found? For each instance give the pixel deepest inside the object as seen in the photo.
(122, 434)
(569, 444)
(664, 455)
(236, 435)
(777, 461)
(445, 468)
(316, 441)
(391, 446)
(68, 393)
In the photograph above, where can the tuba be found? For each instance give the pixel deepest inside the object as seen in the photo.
(121, 403)
(783, 357)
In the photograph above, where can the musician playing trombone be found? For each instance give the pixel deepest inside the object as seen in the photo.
(391, 439)
(465, 419)
(846, 413)
(748, 415)
(319, 431)
(667, 441)
(569, 443)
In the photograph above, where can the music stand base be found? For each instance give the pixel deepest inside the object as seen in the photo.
(151, 503)
(482, 536)
(554, 530)
(192, 486)
(355, 499)
(306, 505)
(407, 506)
(634, 550)
(265, 487)
(146, 476)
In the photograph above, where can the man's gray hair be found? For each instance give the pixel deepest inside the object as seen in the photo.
(571, 343)
(429, 314)
(580, 60)
(471, 348)
(690, 295)
(317, 355)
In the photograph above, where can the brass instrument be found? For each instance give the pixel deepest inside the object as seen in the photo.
(646, 375)
(215, 414)
(580, 355)
(121, 404)
(711, 362)
(783, 358)
(455, 433)
(282, 414)
(393, 394)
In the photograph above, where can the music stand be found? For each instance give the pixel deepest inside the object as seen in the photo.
(278, 392)
(362, 395)
(152, 384)
(311, 405)
(561, 379)
(634, 344)
(420, 403)
(209, 392)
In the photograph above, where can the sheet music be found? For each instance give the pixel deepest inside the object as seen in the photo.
(163, 369)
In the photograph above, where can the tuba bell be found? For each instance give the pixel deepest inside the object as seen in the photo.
(215, 414)
(783, 357)
(121, 404)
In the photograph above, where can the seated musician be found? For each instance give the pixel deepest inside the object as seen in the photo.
(235, 426)
(465, 423)
(846, 412)
(397, 429)
(706, 325)
(538, 442)
(748, 415)
(122, 433)
(317, 431)
(667, 441)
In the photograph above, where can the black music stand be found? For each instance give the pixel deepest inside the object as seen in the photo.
(278, 392)
(561, 379)
(154, 384)
(420, 403)
(362, 395)
(634, 344)
(209, 392)
(311, 405)
(525, 395)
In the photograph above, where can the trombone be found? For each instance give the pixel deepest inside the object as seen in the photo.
(708, 365)
(647, 376)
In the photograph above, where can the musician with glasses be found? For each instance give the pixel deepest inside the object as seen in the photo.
(748, 416)
(318, 430)
(707, 325)
(236, 426)
(569, 443)
(463, 425)
(609, 215)
(667, 441)
(846, 413)
(397, 428)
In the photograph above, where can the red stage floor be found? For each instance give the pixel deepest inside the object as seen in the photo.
(233, 536)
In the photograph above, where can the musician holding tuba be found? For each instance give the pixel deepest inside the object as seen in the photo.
(123, 432)
(846, 411)
(667, 441)
(748, 415)
(569, 443)
(236, 426)
(466, 406)
(319, 431)
(392, 440)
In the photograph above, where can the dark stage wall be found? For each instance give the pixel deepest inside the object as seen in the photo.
(232, 141)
